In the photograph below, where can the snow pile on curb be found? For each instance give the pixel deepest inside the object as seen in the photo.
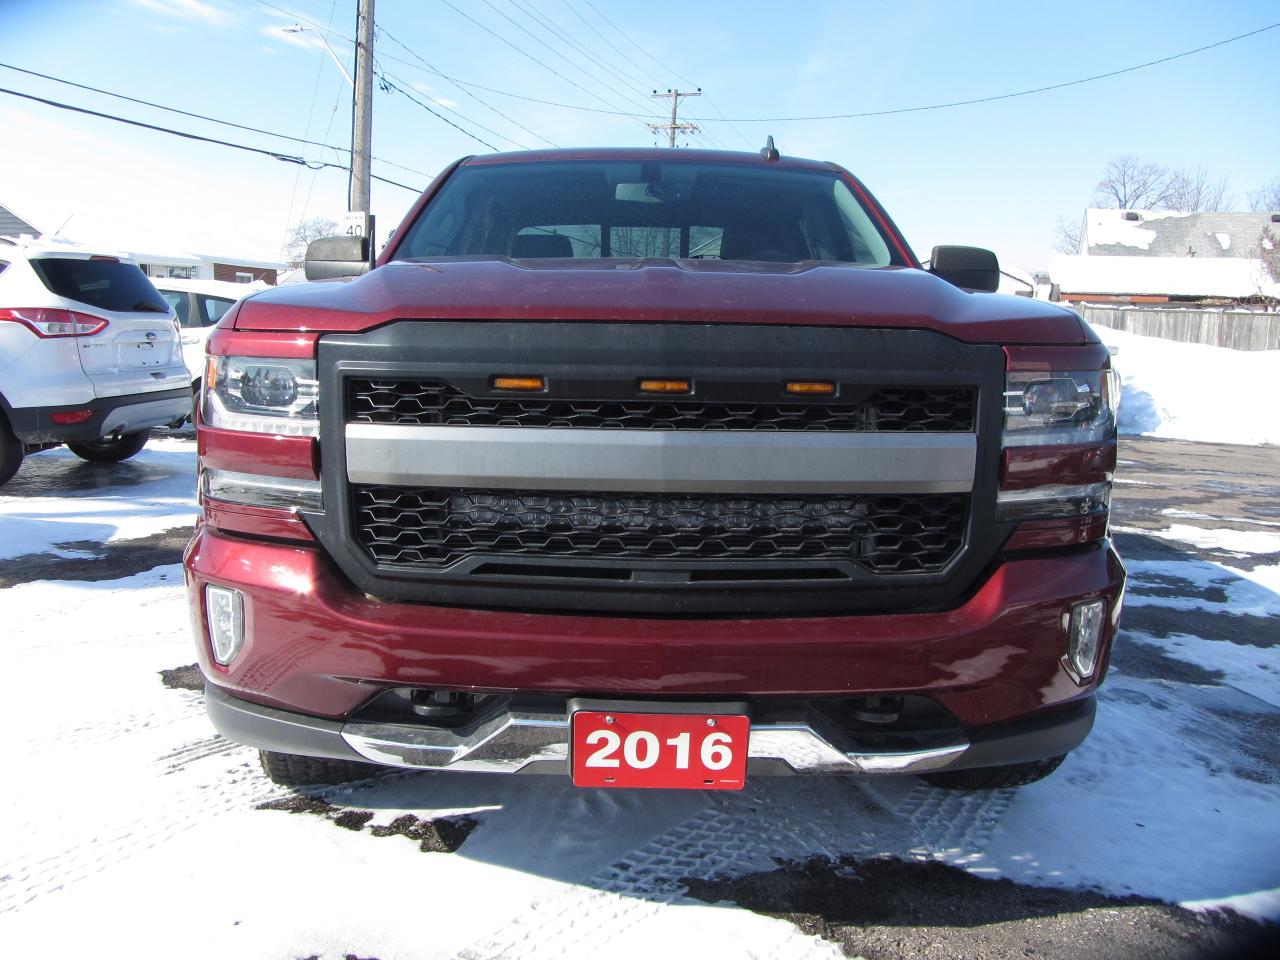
(1189, 391)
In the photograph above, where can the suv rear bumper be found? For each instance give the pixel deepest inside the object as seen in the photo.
(318, 650)
(126, 414)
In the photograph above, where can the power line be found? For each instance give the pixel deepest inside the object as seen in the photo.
(468, 83)
(1009, 96)
(297, 174)
(576, 66)
(287, 158)
(547, 24)
(388, 85)
(742, 136)
(200, 116)
(459, 85)
(610, 43)
(637, 46)
(706, 134)
(444, 106)
(521, 96)
(848, 116)
(544, 65)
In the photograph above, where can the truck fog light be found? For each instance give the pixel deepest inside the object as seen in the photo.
(224, 609)
(1084, 636)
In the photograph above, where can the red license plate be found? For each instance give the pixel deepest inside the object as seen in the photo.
(689, 751)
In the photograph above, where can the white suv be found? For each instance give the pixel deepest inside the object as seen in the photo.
(89, 354)
(199, 305)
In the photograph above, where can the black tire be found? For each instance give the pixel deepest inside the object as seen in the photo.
(994, 778)
(111, 451)
(10, 453)
(290, 770)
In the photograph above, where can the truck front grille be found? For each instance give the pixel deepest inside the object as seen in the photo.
(875, 409)
(432, 527)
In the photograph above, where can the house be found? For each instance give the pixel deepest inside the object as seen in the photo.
(12, 225)
(174, 265)
(166, 264)
(1162, 257)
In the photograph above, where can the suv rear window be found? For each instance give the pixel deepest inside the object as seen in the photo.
(105, 284)
(685, 209)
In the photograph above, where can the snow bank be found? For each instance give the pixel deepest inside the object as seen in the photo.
(1188, 391)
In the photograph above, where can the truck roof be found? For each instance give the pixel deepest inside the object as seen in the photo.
(664, 154)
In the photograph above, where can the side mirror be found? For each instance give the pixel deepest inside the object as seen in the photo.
(332, 258)
(971, 268)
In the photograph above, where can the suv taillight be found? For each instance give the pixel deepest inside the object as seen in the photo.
(1059, 443)
(48, 324)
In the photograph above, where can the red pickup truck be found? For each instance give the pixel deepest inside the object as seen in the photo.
(654, 468)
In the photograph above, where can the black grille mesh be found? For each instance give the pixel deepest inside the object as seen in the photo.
(886, 409)
(433, 527)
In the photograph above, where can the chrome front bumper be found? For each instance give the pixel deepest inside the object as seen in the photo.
(527, 741)
(515, 741)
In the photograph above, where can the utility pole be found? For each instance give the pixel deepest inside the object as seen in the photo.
(362, 110)
(674, 126)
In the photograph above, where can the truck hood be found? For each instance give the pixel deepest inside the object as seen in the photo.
(659, 291)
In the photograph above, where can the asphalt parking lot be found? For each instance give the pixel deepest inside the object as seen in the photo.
(132, 798)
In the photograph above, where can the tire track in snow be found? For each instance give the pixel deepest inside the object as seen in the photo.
(207, 788)
(740, 833)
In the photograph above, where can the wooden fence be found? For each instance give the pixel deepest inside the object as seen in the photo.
(1237, 329)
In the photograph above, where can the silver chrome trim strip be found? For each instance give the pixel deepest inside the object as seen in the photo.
(259, 490)
(549, 458)
(512, 741)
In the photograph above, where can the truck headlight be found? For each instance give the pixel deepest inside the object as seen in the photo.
(262, 395)
(1058, 407)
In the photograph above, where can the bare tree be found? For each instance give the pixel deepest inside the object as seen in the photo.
(1267, 198)
(314, 229)
(1129, 183)
(1268, 251)
(1069, 234)
(1194, 190)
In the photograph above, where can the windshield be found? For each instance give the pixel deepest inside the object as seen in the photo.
(625, 208)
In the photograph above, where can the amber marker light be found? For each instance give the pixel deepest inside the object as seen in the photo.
(665, 386)
(822, 388)
(519, 383)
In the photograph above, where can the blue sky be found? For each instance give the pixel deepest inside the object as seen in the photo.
(996, 175)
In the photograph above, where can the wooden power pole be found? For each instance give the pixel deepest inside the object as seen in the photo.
(362, 110)
(675, 126)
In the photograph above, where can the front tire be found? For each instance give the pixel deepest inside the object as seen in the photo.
(994, 778)
(291, 770)
(10, 453)
(111, 451)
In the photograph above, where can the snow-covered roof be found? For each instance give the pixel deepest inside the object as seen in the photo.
(1162, 233)
(171, 258)
(243, 262)
(212, 288)
(57, 246)
(1162, 276)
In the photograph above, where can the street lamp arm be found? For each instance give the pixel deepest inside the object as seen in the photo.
(299, 28)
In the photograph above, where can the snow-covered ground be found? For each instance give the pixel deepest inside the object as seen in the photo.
(125, 501)
(128, 828)
(1189, 391)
